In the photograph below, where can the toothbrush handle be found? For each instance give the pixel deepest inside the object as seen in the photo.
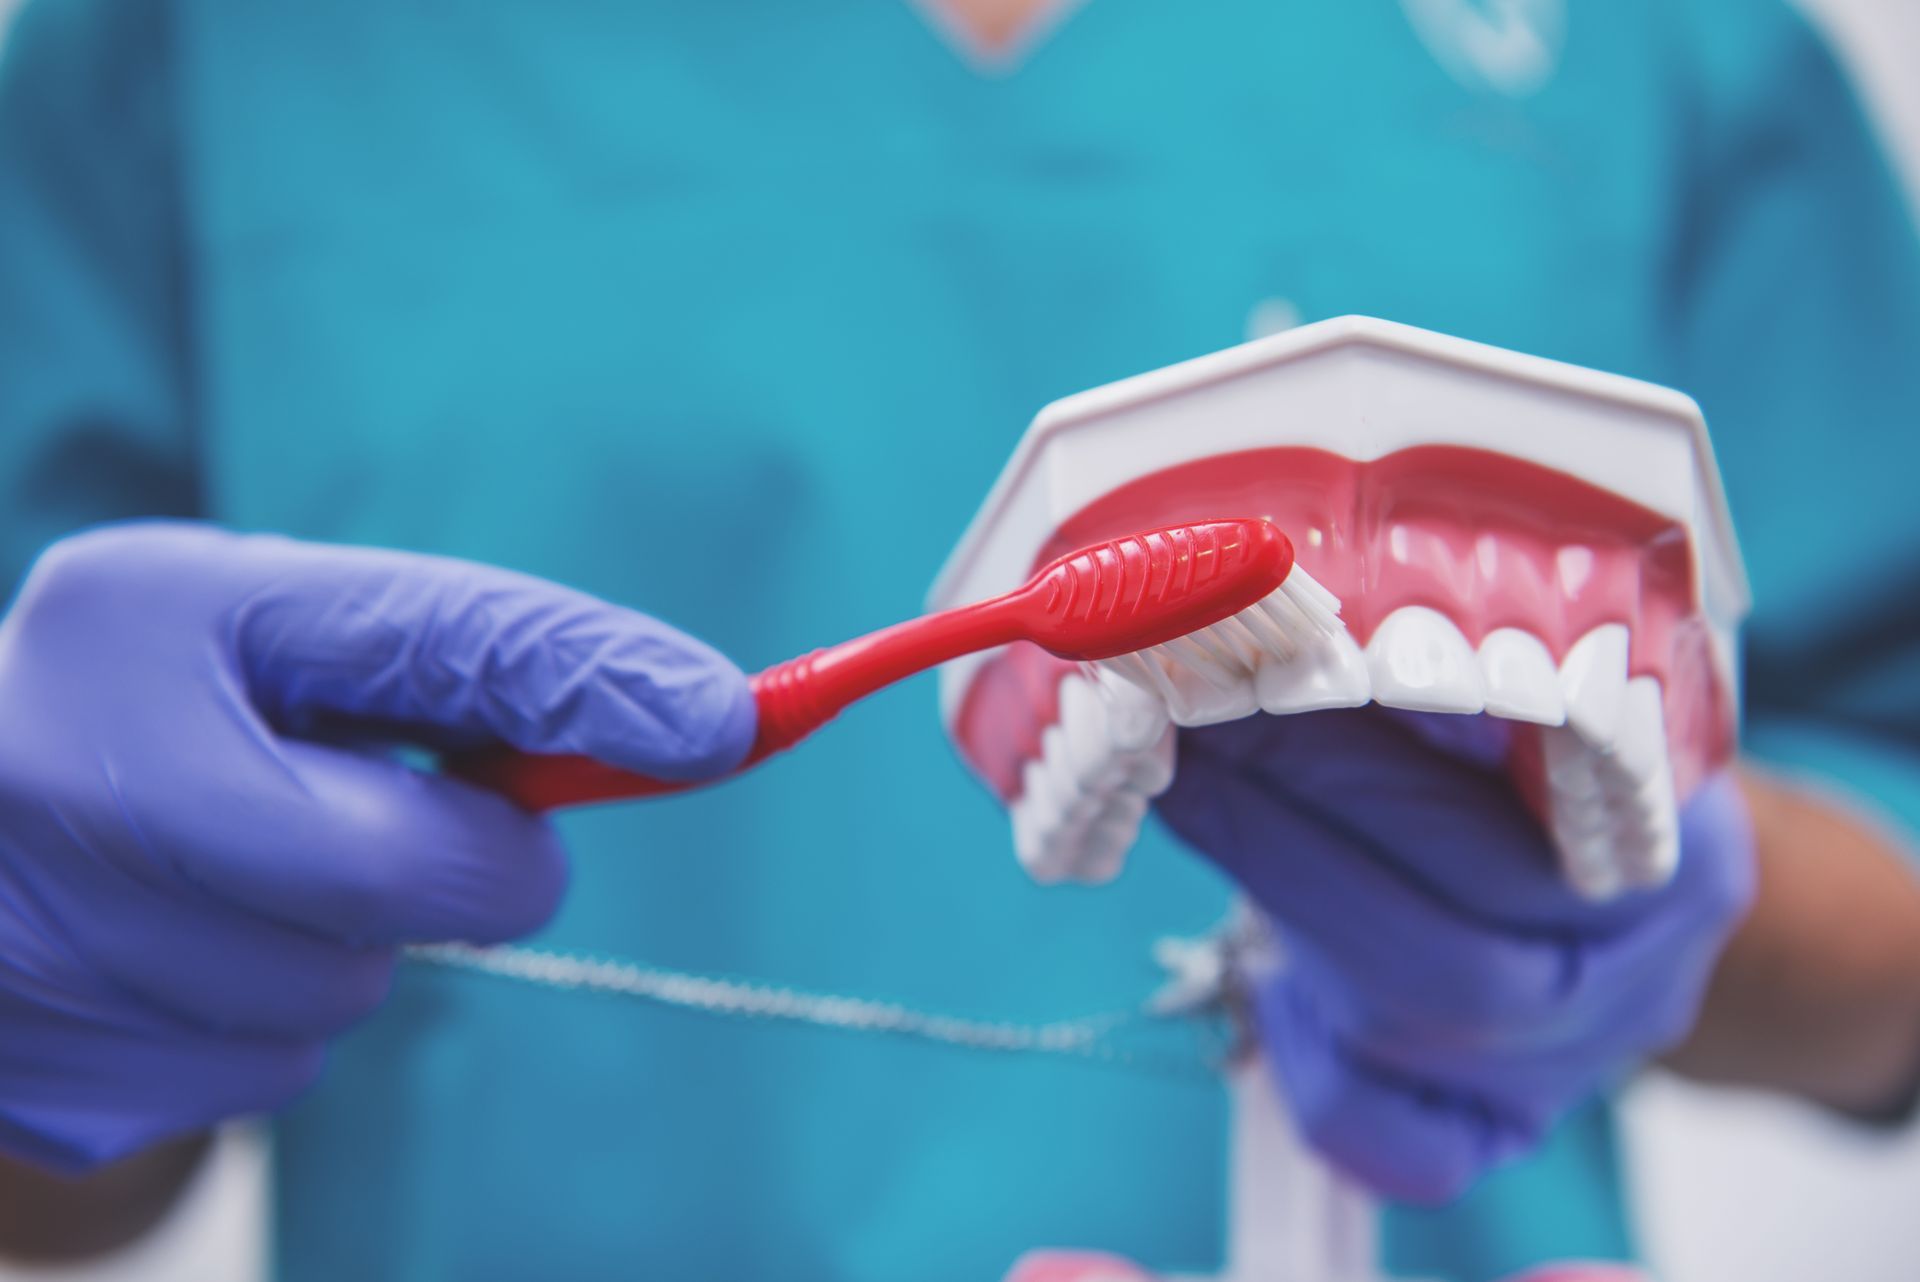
(1113, 598)
(793, 699)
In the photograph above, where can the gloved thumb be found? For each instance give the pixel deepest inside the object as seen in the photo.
(480, 652)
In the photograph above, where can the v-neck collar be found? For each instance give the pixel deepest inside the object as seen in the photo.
(991, 51)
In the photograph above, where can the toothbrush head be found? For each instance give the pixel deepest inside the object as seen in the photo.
(1147, 589)
(1211, 597)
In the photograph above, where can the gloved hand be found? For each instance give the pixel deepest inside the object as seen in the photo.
(196, 891)
(1444, 996)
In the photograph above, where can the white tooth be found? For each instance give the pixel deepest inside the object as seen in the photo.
(1654, 850)
(1085, 743)
(1328, 673)
(1037, 790)
(1613, 816)
(1031, 840)
(1572, 767)
(1586, 843)
(1107, 838)
(1053, 751)
(1104, 854)
(1648, 799)
(1637, 782)
(1083, 798)
(1418, 660)
(1136, 718)
(1522, 684)
(1149, 772)
(1058, 813)
(1581, 820)
(1588, 863)
(1659, 855)
(1580, 814)
(1640, 739)
(1593, 680)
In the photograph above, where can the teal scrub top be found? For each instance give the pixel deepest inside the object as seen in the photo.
(732, 312)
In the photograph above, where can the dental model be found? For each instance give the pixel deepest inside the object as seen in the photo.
(1509, 535)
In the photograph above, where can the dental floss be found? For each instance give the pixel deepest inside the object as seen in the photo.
(1196, 1000)
(1089, 1037)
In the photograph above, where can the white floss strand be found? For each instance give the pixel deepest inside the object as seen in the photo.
(1086, 1037)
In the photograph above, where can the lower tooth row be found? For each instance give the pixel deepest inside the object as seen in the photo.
(1612, 808)
(1083, 798)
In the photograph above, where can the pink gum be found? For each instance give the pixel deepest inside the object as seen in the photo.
(1486, 539)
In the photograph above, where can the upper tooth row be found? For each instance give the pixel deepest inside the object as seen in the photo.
(1417, 659)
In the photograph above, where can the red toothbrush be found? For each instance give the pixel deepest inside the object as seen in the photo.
(1212, 596)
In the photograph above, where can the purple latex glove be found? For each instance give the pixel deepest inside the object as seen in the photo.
(194, 898)
(1445, 996)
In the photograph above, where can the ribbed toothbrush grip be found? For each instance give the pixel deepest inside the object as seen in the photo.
(792, 704)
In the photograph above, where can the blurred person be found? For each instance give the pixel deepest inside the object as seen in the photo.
(731, 313)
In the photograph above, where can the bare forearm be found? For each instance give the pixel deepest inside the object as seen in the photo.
(48, 1218)
(1818, 993)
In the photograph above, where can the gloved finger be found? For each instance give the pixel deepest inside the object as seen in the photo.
(1712, 814)
(365, 850)
(220, 969)
(1639, 990)
(1456, 828)
(1628, 996)
(1411, 951)
(79, 1094)
(1406, 1140)
(417, 639)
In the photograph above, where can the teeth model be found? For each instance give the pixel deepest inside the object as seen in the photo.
(1500, 534)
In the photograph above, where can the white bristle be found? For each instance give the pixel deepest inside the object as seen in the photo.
(1271, 634)
(1243, 634)
(1321, 607)
(1135, 669)
(1233, 634)
(1220, 647)
(1226, 656)
(1288, 615)
(1157, 662)
(1115, 746)
(1301, 583)
(1195, 657)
